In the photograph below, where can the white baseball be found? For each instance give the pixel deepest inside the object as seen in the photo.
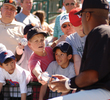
(23, 41)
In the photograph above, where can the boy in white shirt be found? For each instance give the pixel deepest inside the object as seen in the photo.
(13, 74)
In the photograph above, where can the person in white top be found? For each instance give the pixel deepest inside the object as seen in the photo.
(13, 74)
(25, 16)
(10, 30)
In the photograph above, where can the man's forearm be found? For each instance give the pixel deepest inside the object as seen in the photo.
(84, 79)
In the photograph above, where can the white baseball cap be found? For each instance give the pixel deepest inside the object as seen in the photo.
(64, 18)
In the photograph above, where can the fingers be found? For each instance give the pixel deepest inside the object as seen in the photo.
(59, 76)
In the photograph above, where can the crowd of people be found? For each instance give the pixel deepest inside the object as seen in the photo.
(76, 61)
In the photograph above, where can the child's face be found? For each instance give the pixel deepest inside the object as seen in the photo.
(9, 67)
(36, 43)
(62, 58)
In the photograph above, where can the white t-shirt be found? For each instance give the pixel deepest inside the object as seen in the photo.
(20, 77)
(10, 34)
(77, 43)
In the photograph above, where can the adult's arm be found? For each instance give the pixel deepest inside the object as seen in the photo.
(84, 79)
(77, 63)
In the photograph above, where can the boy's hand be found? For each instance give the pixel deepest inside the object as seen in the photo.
(19, 49)
(40, 80)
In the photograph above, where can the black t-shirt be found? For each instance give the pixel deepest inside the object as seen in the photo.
(96, 56)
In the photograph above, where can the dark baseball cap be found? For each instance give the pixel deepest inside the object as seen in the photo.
(28, 27)
(64, 47)
(99, 4)
(33, 31)
(6, 54)
(10, 2)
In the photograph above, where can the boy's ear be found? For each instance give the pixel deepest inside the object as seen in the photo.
(29, 44)
(70, 56)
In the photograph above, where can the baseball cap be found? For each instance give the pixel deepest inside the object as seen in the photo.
(35, 30)
(64, 18)
(75, 20)
(6, 54)
(100, 4)
(28, 27)
(64, 47)
(10, 2)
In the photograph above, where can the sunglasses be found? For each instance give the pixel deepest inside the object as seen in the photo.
(65, 25)
(67, 4)
(85, 12)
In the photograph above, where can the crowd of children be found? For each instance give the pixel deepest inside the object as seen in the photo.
(32, 60)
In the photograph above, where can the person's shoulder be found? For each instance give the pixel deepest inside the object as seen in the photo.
(54, 63)
(48, 48)
(73, 35)
(71, 65)
(18, 15)
(18, 68)
(101, 29)
(18, 23)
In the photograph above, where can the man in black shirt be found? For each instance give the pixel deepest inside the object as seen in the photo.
(94, 76)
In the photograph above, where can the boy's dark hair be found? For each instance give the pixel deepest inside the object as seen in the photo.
(6, 61)
(64, 47)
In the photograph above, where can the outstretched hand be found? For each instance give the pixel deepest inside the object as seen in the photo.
(59, 85)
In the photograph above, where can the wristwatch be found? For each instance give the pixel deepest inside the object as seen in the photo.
(68, 84)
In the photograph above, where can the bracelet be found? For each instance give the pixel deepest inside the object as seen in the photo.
(70, 83)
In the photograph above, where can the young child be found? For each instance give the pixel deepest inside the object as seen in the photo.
(62, 65)
(41, 57)
(13, 74)
(23, 53)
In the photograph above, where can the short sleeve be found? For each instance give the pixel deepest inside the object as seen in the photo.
(71, 43)
(2, 78)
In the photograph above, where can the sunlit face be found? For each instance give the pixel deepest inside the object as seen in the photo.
(10, 66)
(69, 5)
(67, 28)
(27, 5)
(62, 58)
(79, 30)
(8, 12)
(37, 43)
